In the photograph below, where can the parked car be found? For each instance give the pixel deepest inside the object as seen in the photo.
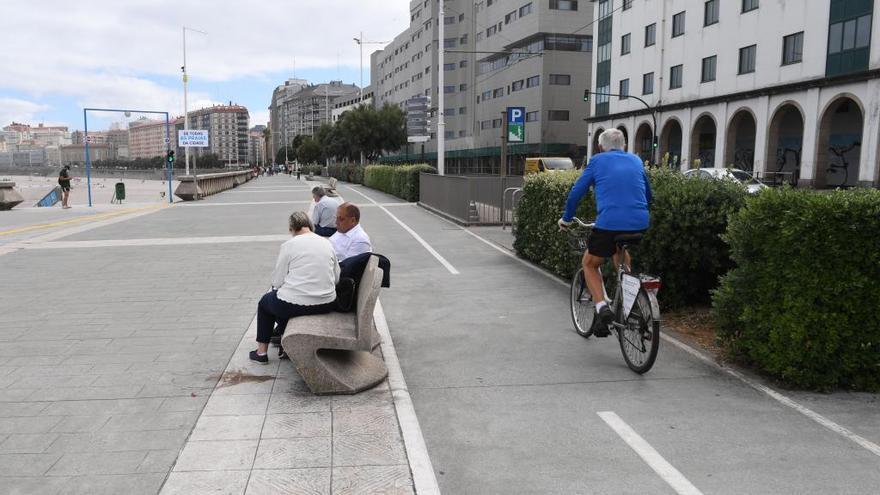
(543, 164)
(752, 184)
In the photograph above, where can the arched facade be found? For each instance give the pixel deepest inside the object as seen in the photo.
(838, 153)
(703, 137)
(622, 128)
(785, 144)
(594, 149)
(642, 143)
(740, 140)
(671, 142)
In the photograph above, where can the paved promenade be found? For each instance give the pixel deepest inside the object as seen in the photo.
(123, 370)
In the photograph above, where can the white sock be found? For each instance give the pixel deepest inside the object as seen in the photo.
(600, 305)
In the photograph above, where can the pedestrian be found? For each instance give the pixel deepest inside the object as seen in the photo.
(303, 283)
(324, 212)
(64, 182)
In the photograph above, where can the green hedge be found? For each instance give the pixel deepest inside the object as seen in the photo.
(802, 301)
(401, 181)
(311, 169)
(683, 245)
(348, 172)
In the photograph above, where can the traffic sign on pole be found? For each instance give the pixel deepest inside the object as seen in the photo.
(192, 139)
(516, 124)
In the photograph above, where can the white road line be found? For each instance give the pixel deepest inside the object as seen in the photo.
(168, 241)
(413, 233)
(664, 469)
(245, 203)
(782, 399)
(254, 191)
(416, 451)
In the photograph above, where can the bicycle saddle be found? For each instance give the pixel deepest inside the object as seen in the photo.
(628, 238)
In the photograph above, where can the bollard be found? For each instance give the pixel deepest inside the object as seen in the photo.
(9, 197)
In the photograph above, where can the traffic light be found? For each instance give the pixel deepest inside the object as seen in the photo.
(170, 157)
(656, 142)
(586, 95)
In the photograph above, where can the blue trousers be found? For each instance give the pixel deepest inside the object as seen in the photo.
(273, 313)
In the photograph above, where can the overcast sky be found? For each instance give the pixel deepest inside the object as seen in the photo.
(60, 56)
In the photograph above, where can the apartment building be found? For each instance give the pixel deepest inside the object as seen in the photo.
(257, 145)
(146, 138)
(499, 53)
(310, 108)
(278, 124)
(785, 88)
(227, 127)
(344, 104)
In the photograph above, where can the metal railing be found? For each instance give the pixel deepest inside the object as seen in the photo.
(509, 207)
(199, 186)
(468, 200)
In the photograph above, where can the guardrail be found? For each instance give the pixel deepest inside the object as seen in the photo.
(509, 207)
(468, 200)
(9, 197)
(196, 187)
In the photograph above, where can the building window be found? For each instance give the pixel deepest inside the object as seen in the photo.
(710, 15)
(463, 40)
(525, 10)
(627, 4)
(496, 123)
(675, 76)
(533, 81)
(462, 87)
(448, 89)
(563, 5)
(510, 17)
(793, 48)
(709, 68)
(648, 83)
(624, 89)
(449, 20)
(849, 35)
(749, 5)
(558, 115)
(517, 85)
(449, 42)
(533, 116)
(624, 43)
(498, 93)
(449, 112)
(462, 64)
(747, 59)
(448, 67)
(560, 80)
(678, 24)
(486, 124)
(490, 31)
(487, 95)
(460, 17)
(650, 34)
(462, 110)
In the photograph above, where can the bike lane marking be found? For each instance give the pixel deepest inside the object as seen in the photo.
(649, 454)
(413, 233)
(773, 394)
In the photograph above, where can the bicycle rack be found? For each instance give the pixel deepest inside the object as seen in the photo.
(514, 191)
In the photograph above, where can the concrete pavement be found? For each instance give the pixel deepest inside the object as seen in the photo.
(114, 337)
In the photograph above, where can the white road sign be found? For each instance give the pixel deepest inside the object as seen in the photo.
(192, 139)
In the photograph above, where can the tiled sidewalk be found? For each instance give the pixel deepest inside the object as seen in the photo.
(263, 432)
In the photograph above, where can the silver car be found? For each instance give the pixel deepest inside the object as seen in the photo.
(752, 184)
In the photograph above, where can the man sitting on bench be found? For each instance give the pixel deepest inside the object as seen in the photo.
(350, 239)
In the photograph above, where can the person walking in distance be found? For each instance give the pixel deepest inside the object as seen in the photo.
(64, 182)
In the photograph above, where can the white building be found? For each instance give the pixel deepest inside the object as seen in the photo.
(344, 104)
(787, 88)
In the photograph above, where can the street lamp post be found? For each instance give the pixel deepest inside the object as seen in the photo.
(185, 81)
(441, 92)
(361, 42)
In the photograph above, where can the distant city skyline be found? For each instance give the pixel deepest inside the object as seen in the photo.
(96, 56)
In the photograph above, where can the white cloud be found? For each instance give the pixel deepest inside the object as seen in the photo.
(15, 110)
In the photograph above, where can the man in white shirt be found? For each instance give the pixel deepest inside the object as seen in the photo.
(350, 238)
(324, 214)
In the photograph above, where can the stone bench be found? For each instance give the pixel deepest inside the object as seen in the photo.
(333, 352)
(9, 197)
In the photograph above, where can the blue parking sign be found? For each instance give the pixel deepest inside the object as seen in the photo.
(516, 124)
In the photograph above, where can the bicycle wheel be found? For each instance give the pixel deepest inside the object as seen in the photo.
(582, 306)
(640, 339)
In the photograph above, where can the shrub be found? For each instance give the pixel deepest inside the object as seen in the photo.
(401, 181)
(801, 302)
(683, 245)
(311, 169)
(348, 172)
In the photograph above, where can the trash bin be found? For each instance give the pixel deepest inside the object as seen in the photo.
(119, 192)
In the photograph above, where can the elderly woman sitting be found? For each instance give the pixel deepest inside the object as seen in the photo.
(324, 214)
(303, 283)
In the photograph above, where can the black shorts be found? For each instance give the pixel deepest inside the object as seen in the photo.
(65, 188)
(601, 242)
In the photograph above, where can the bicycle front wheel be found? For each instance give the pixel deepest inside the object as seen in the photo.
(582, 305)
(640, 339)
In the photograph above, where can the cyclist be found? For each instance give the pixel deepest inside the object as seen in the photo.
(623, 194)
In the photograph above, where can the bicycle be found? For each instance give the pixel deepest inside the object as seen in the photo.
(636, 311)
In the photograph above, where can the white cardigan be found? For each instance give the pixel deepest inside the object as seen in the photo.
(306, 272)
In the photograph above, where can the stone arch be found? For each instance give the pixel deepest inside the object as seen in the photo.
(839, 142)
(671, 142)
(594, 148)
(622, 128)
(642, 142)
(703, 137)
(785, 138)
(740, 138)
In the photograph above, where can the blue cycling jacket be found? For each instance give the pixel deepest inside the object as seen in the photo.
(622, 191)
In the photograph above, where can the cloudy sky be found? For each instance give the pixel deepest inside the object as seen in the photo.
(61, 56)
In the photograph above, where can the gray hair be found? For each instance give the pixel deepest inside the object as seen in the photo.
(612, 139)
(318, 191)
(298, 220)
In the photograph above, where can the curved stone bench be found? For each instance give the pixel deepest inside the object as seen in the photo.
(333, 352)
(9, 197)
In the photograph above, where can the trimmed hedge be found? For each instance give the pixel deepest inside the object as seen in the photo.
(802, 301)
(683, 245)
(401, 181)
(348, 172)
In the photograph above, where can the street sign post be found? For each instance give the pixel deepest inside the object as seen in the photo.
(192, 139)
(417, 113)
(516, 124)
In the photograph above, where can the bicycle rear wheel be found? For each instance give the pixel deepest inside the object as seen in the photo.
(582, 305)
(640, 339)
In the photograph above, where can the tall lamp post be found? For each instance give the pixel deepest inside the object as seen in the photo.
(185, 81)
(361, 42)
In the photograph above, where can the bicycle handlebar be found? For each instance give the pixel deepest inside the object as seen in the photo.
(582, 223)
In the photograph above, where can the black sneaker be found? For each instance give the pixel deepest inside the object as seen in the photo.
(264, 359)
(601, 321)
(282, 354)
